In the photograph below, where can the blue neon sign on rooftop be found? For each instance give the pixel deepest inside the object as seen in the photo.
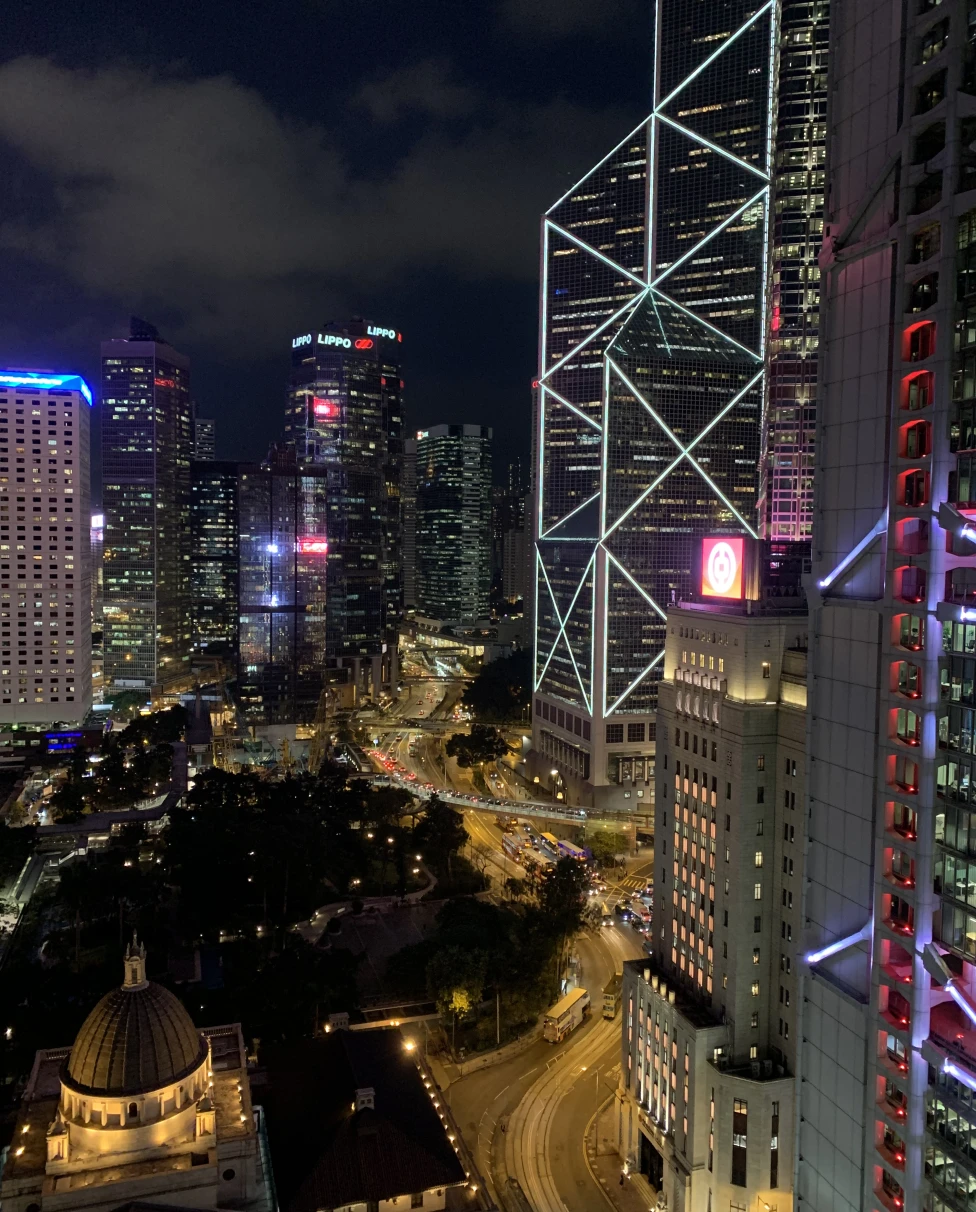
(30, 378)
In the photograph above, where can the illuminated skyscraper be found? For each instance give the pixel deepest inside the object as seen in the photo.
(650, 387)
(888, 1005)
(45, 557)
(283, 512)
(454, 522)
(786, 491)
(147, 444)
(214, 567)
(345, 416)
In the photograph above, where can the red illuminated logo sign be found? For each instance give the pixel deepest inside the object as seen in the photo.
(364, 343)
(722, 567)
(313, 546)
(324, 408)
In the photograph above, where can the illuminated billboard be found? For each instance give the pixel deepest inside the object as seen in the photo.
(324, 408)
(313, 546)
(722, 560)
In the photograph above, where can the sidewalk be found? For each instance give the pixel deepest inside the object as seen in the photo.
(606, 1165)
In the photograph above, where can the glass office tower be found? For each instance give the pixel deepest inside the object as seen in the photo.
(650, 387)
(786, 490)
(453, 520)
(345, 416)
(214, 562)
(284, 548)
(147, 444)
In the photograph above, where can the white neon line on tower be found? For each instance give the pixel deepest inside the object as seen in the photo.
(705, 324)
(737, 160)
(588, 248)
(856, 551)
(606, 621)
(683, 452)
(713, 56)
(701, 471)
(737, 214)
(636, 682)
(572, 408)
(604, 445)
(640, 589)
(631, 302)
(563, 621)
(572, 512)
(595, 167)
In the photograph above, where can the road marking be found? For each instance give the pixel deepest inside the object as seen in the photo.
(499, 1094)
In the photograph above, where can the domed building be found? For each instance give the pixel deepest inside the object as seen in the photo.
(144, 1107)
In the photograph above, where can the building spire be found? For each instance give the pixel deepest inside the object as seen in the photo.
(135, 965)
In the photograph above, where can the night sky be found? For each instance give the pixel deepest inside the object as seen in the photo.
(238, 171)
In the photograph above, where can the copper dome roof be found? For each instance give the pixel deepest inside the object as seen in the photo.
(137, 1039)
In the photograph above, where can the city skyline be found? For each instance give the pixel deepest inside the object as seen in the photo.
(374, 195)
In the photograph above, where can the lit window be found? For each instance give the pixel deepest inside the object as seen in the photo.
(757, 892)
(755, 988)
(759, 858)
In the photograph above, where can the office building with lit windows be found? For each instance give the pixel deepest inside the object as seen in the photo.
(786, 487)
(204, 438)
(282, 646)
(453, 520)
(45, 565)
(147, 444)
(214, 555)
(710, 1016)
(345, 416)
(650, 387)
(888, 1001)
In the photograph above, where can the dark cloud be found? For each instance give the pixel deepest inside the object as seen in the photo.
(568, 17)
(194, 196)
(426, 87)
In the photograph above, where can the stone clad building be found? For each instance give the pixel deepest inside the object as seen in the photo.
(143, 1107)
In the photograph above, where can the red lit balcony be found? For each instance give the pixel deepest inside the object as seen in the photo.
(907, 679)
(901, 869)
(916, 390)
(914, 441)
(893, 1102)
(903, 821)
(912, 536)
(906, 726)
(910, 583)
(898, 1013)
(918, 341)
(892, 1148)
(909, 632)
(900, 917)
(903, 774)
(889, 1191)
(913, 488)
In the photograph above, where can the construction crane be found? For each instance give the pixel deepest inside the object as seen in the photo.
(322, 729)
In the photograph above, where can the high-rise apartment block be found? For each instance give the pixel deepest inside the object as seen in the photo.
(710, 1017)
(650, 385)
(214, 565)
(147, 444)
(889, 1001)
(45, 566)
(344, 415)
(454, 522)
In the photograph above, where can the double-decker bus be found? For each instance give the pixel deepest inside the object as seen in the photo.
(565, 1016)
(612, 995)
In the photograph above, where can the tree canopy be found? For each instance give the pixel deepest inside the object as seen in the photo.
(482, 744)
(502, 690)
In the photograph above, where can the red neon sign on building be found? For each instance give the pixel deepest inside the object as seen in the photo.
(324, 408)
(313, 546)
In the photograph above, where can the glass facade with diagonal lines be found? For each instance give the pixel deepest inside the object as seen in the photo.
(650, 387)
